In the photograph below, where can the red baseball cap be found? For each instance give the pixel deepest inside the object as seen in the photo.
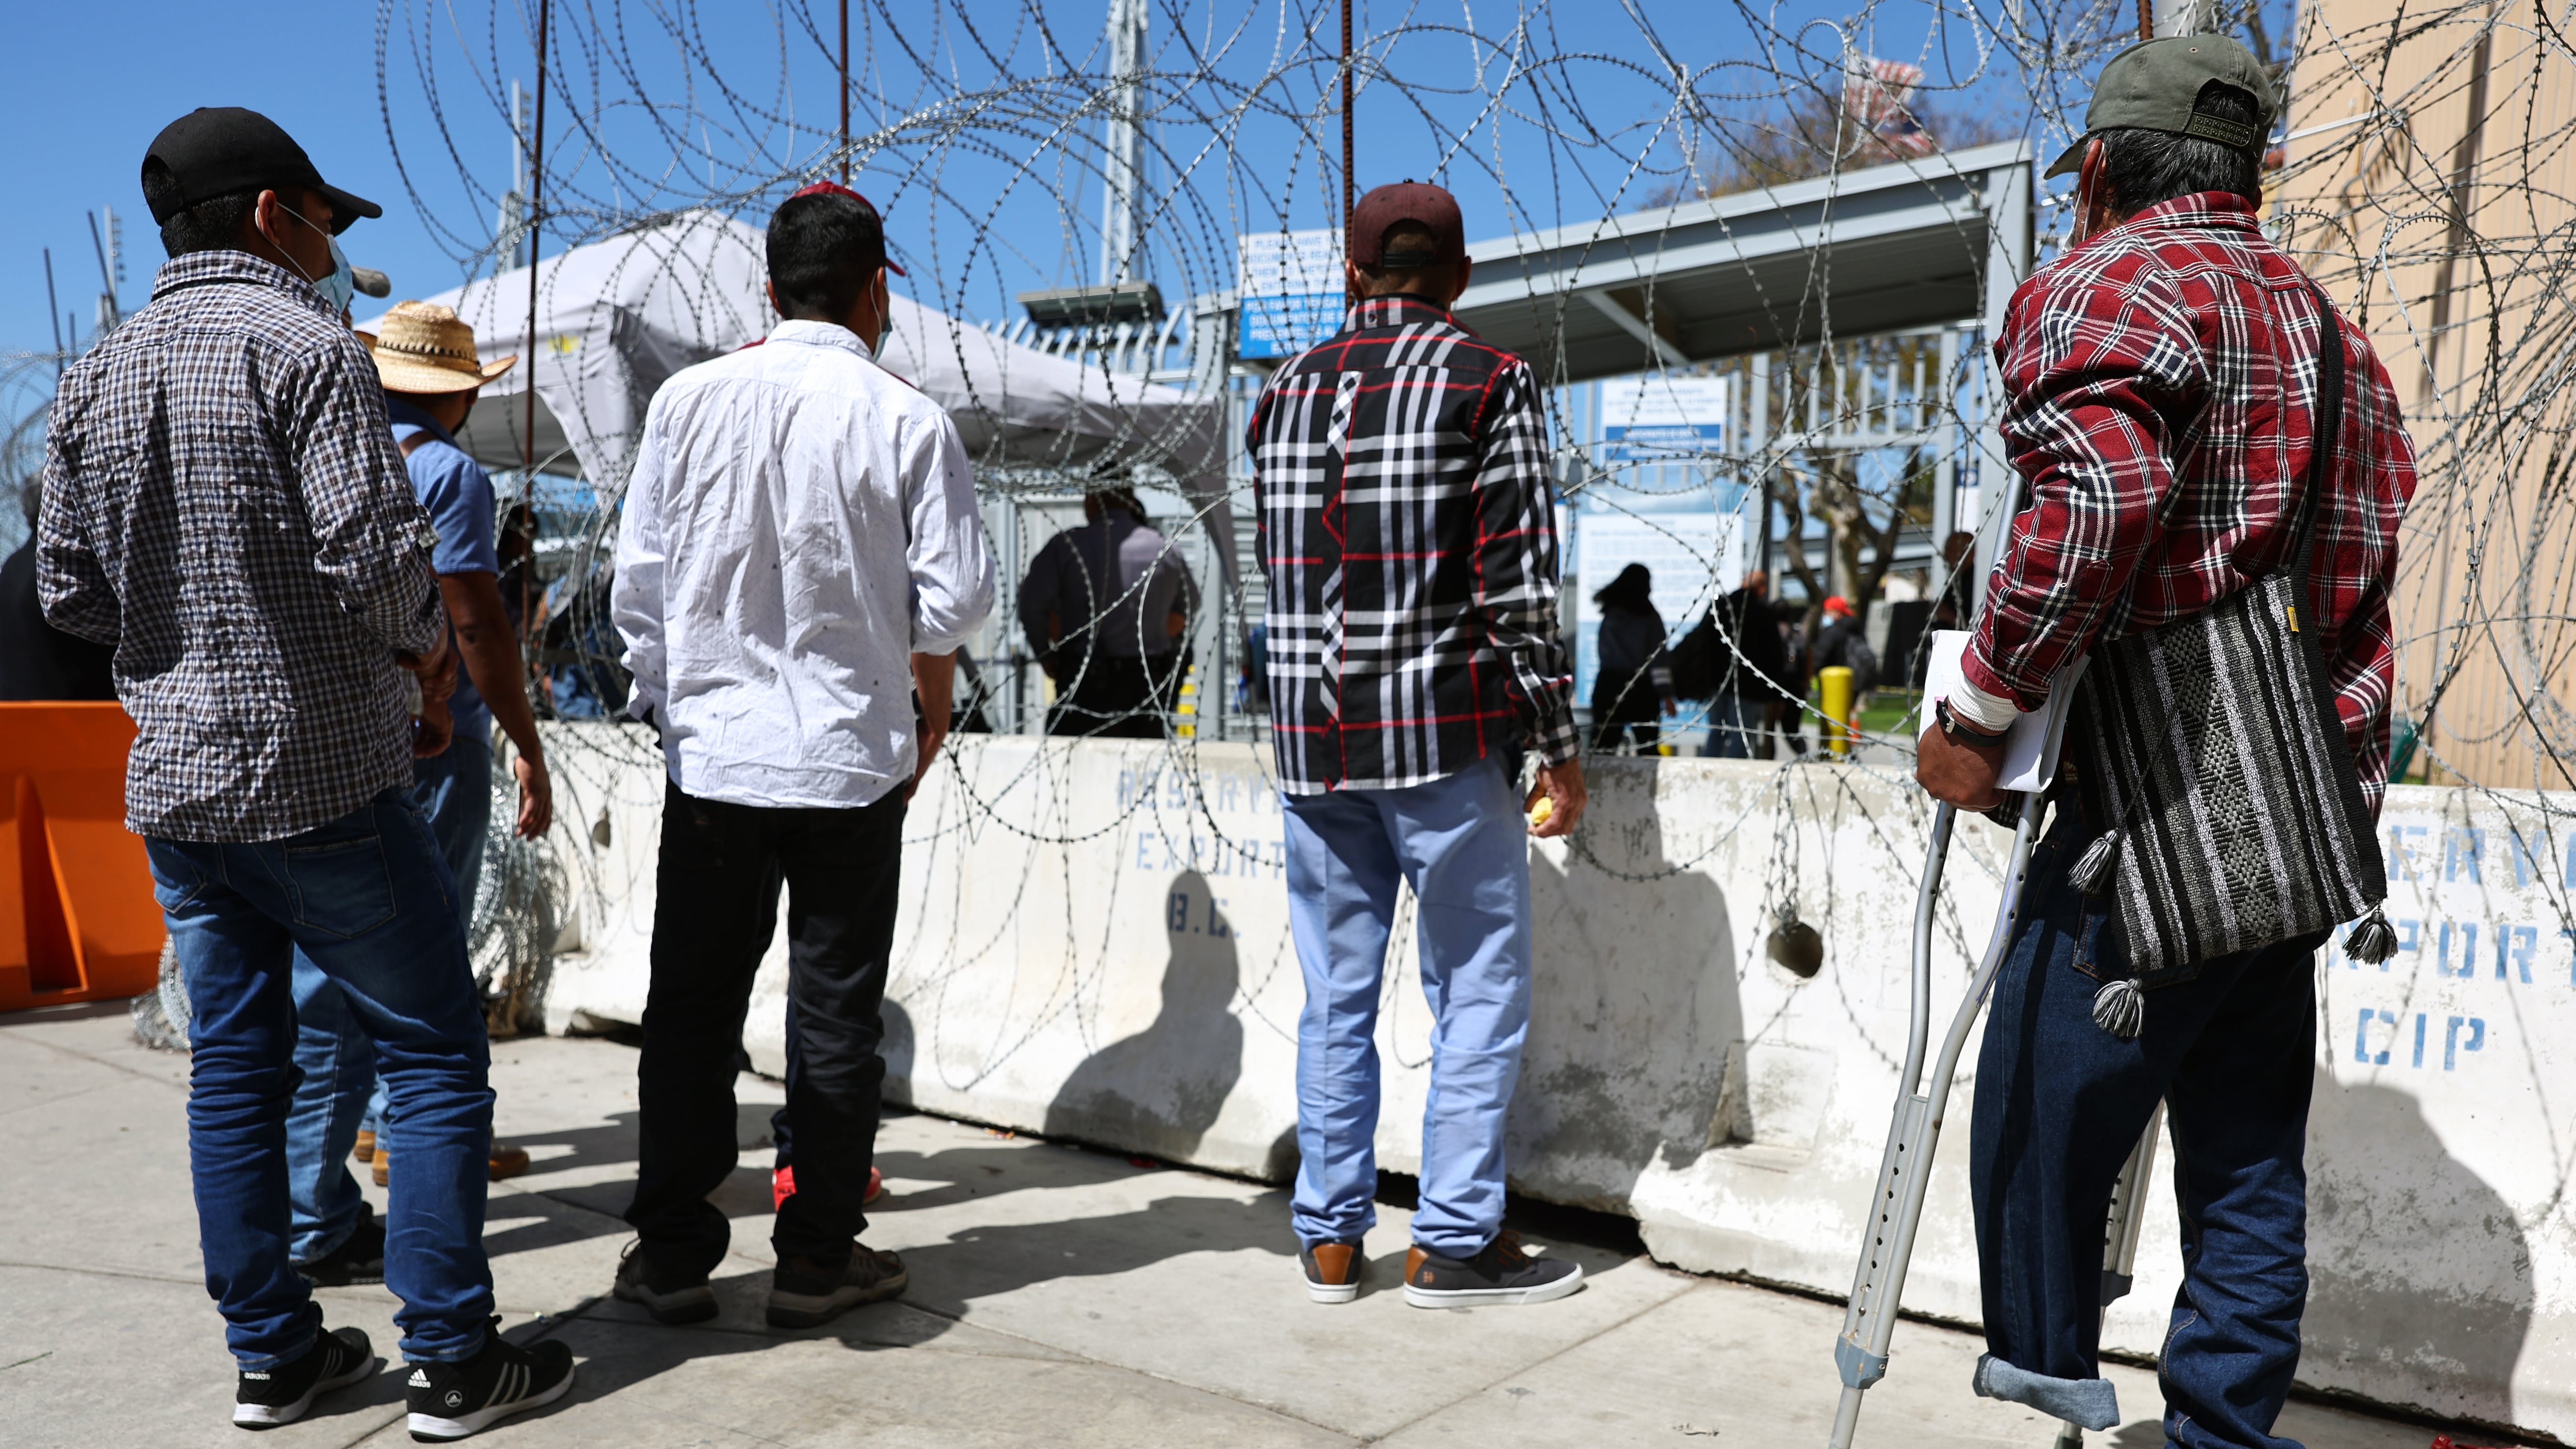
(1415, 201)
(1837, 604)
(877, 223)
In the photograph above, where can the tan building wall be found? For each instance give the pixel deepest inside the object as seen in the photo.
(2429, 185)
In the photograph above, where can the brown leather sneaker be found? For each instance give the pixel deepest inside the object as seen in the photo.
(1333, 1269)
(366, 1149)
(504, 1162)
(805, 1294)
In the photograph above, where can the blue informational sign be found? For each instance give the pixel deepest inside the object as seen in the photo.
(1289, 291)
(1661, 418)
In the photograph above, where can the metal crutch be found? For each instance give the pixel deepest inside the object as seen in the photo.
(2120, 1234)
(1905, 1172)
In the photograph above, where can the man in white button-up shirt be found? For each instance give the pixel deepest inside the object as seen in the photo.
(800, 555)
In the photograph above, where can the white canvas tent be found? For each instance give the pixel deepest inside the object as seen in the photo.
(618, 317)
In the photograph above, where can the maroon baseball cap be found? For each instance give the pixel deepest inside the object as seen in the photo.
(1414, 201)
(875, 222)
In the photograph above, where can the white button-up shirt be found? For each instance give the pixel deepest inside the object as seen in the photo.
(799, 524)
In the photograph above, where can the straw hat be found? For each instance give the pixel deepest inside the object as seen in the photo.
(423, 347)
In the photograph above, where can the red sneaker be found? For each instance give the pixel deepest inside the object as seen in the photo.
(782, 1186)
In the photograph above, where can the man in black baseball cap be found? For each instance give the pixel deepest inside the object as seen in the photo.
(225, 506)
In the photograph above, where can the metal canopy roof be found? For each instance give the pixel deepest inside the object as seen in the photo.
(1891, 247)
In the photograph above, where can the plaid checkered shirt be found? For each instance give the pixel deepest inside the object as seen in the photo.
(224, 503)
(2159, 387)
(1408, 529)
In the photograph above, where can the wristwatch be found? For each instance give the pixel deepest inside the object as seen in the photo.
(1964, 732)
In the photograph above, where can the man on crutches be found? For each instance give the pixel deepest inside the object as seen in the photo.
(2164, 384)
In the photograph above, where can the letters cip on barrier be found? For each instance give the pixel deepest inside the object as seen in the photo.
(1094, 944)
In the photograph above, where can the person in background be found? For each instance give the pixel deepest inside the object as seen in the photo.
(2160, 399)
(37, 660)
(1750, 674)
(425, 359)
(1413, 653)
(1106, 607)
(800, 558)
(1842, 642)
(225, 505)
(1635, 682)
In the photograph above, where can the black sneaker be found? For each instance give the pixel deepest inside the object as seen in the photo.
(668, 1300)
(360, 1258)
(1333, 1268)
(457, 1400)
(280, 1395)
(805, 1294)
(1501, 1273)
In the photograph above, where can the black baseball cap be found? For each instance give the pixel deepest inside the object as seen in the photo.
(2155, 86)
(217, 150)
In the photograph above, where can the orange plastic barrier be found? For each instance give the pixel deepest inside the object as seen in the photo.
(77, 917)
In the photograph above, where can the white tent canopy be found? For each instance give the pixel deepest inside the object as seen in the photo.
(618, 317)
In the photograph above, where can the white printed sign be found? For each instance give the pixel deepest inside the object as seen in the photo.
(1660, 418)
(1289, 291)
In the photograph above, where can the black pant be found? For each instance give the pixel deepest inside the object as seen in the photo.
(1626, 708)
(719, 878)
(1114, 698)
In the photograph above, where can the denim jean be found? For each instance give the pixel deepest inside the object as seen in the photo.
(1463, 845)
(340, 1092)
(2060, 1103)
(717, 905)
(368, 900)
(1736, 726)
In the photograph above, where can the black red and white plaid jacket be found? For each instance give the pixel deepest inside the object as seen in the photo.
(2159, 382)
(1408, 529)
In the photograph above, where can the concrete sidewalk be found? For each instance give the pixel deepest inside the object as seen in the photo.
(1059, 1297)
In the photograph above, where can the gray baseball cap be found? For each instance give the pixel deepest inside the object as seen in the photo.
(2153, 85)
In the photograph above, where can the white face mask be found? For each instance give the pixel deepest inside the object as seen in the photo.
(339, 286)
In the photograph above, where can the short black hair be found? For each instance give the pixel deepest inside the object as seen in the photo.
(1414, 237)
(212, 225)
(823, 252)
(2145, 167)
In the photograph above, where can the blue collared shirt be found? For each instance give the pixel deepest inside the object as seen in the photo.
(458, 495)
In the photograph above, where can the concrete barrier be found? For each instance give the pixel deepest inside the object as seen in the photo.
(1094, 943)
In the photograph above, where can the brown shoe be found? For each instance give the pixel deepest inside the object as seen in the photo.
(382, 1157)
(1333, 1269)
(366, 1151)
(804, 1293)
(508, 1162)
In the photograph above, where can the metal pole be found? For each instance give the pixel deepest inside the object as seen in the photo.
(1348, 192)
(54, 311)
(845, 92)
(528, 437)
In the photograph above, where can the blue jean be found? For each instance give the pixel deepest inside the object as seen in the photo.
(339, 1092)
(1736, 726)
(1462, 844)
(367, 899)
(2060, 1103)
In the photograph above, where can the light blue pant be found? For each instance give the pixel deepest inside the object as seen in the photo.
(1462, 844)
(339, 1091)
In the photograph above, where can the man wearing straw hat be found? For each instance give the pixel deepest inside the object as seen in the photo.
(425, 358)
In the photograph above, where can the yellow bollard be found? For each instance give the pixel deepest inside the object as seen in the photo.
(1837, 689)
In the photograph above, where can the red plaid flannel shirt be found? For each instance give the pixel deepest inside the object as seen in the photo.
(2159, 382)
(1407, 525)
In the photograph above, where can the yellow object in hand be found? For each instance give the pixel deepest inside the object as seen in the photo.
(1539, 812)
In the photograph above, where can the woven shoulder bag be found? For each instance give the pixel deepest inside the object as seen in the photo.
(2213, 747)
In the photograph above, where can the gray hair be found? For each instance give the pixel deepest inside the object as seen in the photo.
(2145, 167)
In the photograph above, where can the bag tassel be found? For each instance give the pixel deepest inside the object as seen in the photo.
(2120, 1009)
(2372, 941)
(2092, 872)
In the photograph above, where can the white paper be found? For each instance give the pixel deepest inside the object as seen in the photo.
(2030, 750)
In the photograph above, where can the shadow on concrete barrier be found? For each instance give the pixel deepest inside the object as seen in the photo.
(1094, 943)
(77, 918)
